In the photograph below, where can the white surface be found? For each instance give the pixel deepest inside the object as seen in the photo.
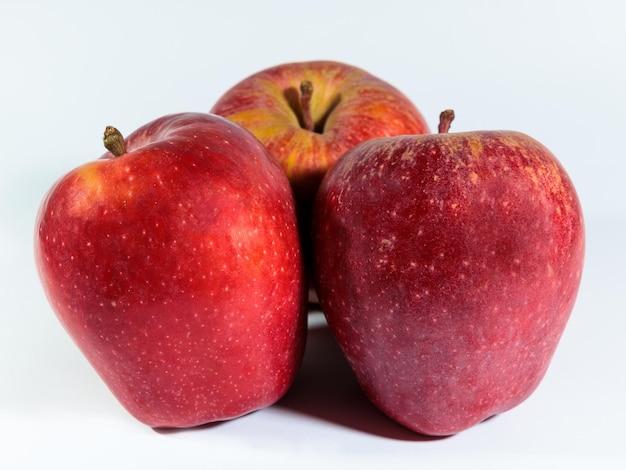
(555, 70)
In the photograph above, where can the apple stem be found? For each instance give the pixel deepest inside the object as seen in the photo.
(445, 119)
(306, 91)
(114, 141)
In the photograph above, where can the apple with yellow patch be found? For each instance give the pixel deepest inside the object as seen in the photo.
(307, 114)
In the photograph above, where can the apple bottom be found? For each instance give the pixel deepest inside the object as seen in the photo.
(447, 384)
(179, 376)
(440, 343)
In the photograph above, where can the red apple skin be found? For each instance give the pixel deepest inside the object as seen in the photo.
(348, 106)
(447, 266)
(177, 271)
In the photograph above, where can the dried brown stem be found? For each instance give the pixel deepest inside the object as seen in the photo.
(445, 120)
(306, 91)
(114, 141)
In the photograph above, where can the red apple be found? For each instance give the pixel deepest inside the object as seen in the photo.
(309, 113)
(447, 266)
(174, 264)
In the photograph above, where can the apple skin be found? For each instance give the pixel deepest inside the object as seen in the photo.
(348, 106)
(447, 266)
(176, 269)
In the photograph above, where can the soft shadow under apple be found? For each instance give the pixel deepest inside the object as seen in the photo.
(326, 388)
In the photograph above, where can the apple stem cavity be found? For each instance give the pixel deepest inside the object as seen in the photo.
(445, 119)
(114, 141)
(306, 91)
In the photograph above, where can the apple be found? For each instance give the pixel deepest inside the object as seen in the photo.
(174, 264)
(307, 114)
(447, 266)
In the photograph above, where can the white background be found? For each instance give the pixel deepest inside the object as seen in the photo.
(555, 70)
